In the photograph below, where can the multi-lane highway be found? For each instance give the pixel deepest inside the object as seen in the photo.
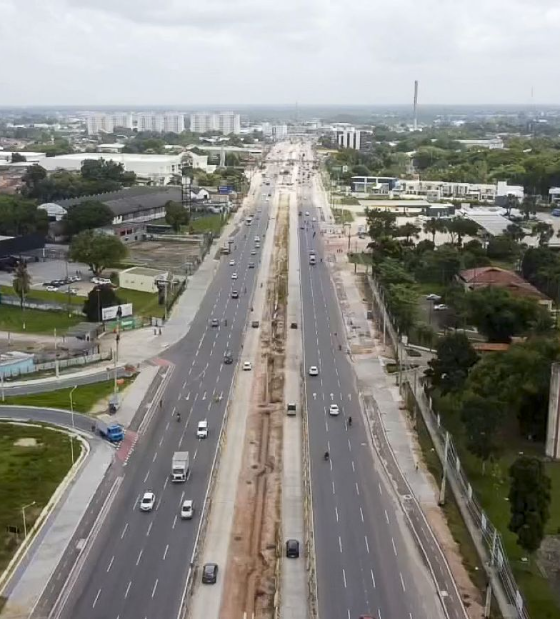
(366, 561)
(138, 564)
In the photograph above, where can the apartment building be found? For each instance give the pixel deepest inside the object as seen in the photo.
(348, 138)
(279, 131)
(174, 122)
(99, 123)
(226, 122)
(144, 121)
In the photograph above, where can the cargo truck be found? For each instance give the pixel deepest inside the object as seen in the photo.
(180, 466)
(111, 432)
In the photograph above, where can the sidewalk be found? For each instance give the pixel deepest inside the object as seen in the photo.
(295, 576)
(33, 573)
(214, 542)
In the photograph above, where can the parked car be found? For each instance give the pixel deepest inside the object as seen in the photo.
(254, 324)
(210, 573)
(247, 366)
(292, 548)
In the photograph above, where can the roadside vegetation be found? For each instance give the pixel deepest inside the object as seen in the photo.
(33, 462)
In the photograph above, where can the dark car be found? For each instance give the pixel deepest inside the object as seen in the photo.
(292, 548)
(228, 359)
(210, 573)
(255, 324)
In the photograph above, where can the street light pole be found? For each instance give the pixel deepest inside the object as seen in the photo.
(73, 427)
(23, 515)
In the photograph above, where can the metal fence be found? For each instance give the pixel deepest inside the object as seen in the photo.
(486, 537)
(41, 304)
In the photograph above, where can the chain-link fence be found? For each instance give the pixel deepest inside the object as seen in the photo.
(485, 536)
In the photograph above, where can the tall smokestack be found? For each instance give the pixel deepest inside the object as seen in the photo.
(415, 105)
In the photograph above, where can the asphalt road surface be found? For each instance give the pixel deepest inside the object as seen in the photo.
(138, 564)
(366, 561)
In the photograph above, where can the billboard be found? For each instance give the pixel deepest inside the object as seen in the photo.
(112, 312)
(225, 189)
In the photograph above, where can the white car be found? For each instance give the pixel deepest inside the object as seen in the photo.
(51, 289)
(253, 252)
(234, 276)
(307, 213)
(202, 429)
(257, 238)
(231, 263)
(313, 219)
(247, 366)
(147, 502)
(187, 509)
(440, 307)
(313, 371)
(433, 297)
(333, 409)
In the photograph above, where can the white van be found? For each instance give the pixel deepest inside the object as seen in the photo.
(202, 429)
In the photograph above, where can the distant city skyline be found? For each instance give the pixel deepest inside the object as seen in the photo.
(115, 52)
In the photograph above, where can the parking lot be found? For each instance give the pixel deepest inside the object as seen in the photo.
(53, 270)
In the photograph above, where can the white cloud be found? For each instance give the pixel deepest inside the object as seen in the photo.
(185, 52)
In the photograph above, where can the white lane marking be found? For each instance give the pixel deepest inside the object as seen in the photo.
(340, 544)
(372, 577)
(139, 557)
(127, 589)
(204, 396)
(386, 517)
(110, 564)
(361, 514)
(154, 590)
(184, 384)
(353, 467)
(334, 492)
(124, 531)
(165, 483)
(380, 489)
(188, 396)
(348, 612)
(402, 582)
(394, 548)
(344, 577)
(149, 528)
(147, 475)
(349, 396)
(167, 426)
(95, 601)
(367, 543)
(161, 441)
(349, 446)
(173, 412)
(195, 453)
(336, 512)
(165, 552)
(357, 488)
(379, 613)
(155, 457)
(174, 521)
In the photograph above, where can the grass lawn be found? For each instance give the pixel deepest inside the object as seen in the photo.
(28, 474)
(59, 298)
(360, 258)
(341, 216)
(207, 223)
(36, 321)
(143, 304)
(84, 397)
(492, 489)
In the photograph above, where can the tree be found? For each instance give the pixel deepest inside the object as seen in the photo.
(544, 231)
(21, 284)
(512, 202)
(529, 500)
(408, 231)
(454, 358)
(433, 226)
(176, 215)
(503, 247)
(97, 250)
(499, 315)
(403, 305)
(102, 296)
(515, 232)
(20, 216)
(381, 223)
(87, 215)
(441, 265)
(460, 227)
(481, 417)
(528, 206)
(17, 158)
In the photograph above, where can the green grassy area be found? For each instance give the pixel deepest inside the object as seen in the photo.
(28, 474)
(36, 321)
(347, 200)
(342, 216)
(212, 223)
(143, 304)
(359, 258)
(84, 397)
(59, 298)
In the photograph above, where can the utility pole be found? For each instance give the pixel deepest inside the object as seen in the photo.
(445, 467)
(56, 367)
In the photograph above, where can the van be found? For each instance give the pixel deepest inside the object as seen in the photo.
(202, 429)
(291, 409)
(312, 260)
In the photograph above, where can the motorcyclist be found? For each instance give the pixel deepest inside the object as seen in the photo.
(327, 456)
(350, 421)
(178, 416)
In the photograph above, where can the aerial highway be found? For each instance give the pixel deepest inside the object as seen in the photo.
(138, 563)
(367, 563)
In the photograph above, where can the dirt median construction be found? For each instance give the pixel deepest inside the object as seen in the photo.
(252, 570)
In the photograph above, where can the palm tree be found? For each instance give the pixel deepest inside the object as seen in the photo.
(529, 206)
(21, 284)
(433, 226)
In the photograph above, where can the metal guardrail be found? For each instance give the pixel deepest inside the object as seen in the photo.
(492, 550)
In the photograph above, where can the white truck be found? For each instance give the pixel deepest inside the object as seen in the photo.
(180, 467)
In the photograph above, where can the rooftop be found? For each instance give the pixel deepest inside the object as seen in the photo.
(146, 271)
(483, 277)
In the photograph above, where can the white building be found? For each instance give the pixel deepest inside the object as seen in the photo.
(156, 169)
(503, 189)
(266, 128)
(173, 122)
(123, 119)
(492, 143)
(444, 190)
(142, 279)
(348, 138)
(226, 122)
(150, 122)
(99, 123)
(279, 132)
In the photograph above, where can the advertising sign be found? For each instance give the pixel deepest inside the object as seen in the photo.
(112, 312)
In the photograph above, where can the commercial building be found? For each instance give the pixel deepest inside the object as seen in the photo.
(142, 279)
(348, 138)
(492, 143)
(373, 185)
(226, 122)
(443, 190)
(153, 169)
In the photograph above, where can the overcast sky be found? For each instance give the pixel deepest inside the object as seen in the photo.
(185, 52)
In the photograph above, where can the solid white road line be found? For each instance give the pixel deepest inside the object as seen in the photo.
(372, 577)
(367, 544)
(402, 582)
